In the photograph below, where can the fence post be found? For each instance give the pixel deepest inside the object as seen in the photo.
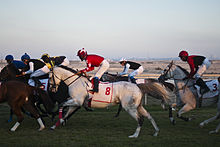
(145, 99)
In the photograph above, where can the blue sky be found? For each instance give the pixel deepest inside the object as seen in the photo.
(111, 28)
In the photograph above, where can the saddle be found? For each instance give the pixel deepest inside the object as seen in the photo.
(213, 86)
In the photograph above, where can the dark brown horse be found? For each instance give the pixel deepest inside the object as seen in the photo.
(10, 72)
(21, 95)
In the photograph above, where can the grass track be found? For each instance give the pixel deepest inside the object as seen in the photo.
(100, 128)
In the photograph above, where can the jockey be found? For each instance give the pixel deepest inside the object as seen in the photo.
(93, 61)
(198, 65)
(18, 64)
(35, 68)
(52, 61)
(138, 69)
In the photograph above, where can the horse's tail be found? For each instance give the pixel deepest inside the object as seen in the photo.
(155, 89)
(45, 98)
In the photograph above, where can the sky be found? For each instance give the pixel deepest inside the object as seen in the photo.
(110, 28)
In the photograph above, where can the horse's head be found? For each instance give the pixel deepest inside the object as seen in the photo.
(173, 71)
(8, 72)
(54, 80)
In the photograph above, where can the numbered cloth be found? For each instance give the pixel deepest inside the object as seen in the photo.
(104, 96)
(213, 86)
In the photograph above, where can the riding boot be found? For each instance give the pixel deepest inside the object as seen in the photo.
(133, 80)
(37, 82)
(95, 84)
(203, 87)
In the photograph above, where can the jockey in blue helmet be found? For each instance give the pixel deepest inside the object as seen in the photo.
(36, 68)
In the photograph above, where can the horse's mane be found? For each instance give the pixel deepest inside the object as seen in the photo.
(68, 68)
(11, 68)
(183, 69)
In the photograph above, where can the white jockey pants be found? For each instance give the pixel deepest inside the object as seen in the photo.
(205, 65)
(137, 71)
(102, 68)
(65, 62)
(42, 71)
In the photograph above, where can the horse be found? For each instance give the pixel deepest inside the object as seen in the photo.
(20, 95)
(185, 89)
(126, 93)
(109, 77)
(10, 72)
(217, 116)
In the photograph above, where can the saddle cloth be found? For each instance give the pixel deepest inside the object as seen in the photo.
(213, 86)
(44, 82)
(104, 97)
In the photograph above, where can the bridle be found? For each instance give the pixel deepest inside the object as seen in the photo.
(75, 74)
(168, 71)
(55, 76)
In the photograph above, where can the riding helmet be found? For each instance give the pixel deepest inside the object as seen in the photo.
(183, 54)
(82, 53)
(9, 57)
(25, 56)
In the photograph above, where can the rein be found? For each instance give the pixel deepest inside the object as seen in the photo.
(185, 85)
(78, 74)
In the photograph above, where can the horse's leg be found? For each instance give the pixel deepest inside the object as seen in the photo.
(11, 116)
(172, 120)
(216, 130)
(20, 117)
(32, 109)
(202, 124)
(146, 114)
(119, 110)
(133, 112)
(69, 113)
(184, 109)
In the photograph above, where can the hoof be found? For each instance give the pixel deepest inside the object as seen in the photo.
(12, 130)
(156, 134)
(133, 136)
(41, 128)
(53, 127)
(174, 122)
(213, 132)
(201, 125)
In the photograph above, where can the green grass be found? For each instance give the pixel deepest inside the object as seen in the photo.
(100, 128)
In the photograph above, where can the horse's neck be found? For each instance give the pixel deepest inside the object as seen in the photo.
(178, 73)
(70, 78)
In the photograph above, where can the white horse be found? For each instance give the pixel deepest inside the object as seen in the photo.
(185, 88)
(126, 93)
(217, 116)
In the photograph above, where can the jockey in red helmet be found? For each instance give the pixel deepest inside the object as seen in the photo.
(198, 65)
(93, 61)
